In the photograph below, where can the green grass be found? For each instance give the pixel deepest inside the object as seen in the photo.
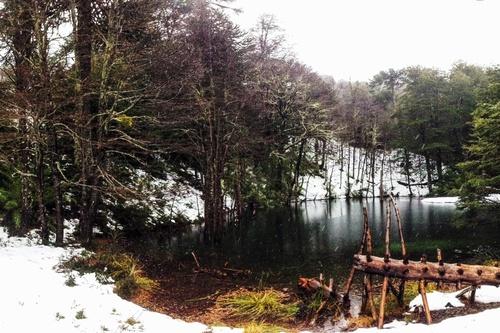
(424, 246)
(492, 262)
(256, 306)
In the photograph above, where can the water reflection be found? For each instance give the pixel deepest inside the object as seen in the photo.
(322, 236)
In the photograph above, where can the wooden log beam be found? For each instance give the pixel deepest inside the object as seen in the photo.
(383, 296)
(421, 289)
(350, 279)
(369, 294)
(400, 296)
(431, 271)
(439, 257)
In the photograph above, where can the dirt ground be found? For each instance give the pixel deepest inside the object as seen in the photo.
(189, 293)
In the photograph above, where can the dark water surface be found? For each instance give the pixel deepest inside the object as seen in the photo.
(282, 244)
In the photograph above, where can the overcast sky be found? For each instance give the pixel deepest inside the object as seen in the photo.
(355, 39)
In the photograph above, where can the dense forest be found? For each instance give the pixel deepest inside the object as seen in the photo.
(103, 100)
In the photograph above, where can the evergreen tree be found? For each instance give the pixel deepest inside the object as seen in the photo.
(482, 168)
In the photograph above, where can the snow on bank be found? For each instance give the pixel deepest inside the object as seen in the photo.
(35, 298)
(440, 200)
(454, 200)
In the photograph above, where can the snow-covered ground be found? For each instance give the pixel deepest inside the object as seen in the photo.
(34, 297)
(486, 321)
(166, 199)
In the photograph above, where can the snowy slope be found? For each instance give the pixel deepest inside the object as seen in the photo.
(166, 198)
(34, 298)
(339, 178)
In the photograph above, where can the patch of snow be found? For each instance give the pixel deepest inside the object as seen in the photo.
(454, 200)
(441, 200)
(487, 294)
(437, 301)
(485, 321)
(494, 198)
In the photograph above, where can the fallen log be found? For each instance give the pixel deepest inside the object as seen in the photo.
(313, 285)
(430, 271)
(414, 184)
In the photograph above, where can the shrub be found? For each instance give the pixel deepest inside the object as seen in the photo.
(80, 315)
(360, 322)
(123, 268)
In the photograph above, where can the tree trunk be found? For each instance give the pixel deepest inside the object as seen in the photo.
(373, 172)
(323, 155)
(348, 189)
(439, 165)
(58, 216)
(22, 45)
(381, 185)
(238, 204)
(42, 220)
(407, 171)
(428, 169)
(88, 112)
(292, 194)
(341, 163)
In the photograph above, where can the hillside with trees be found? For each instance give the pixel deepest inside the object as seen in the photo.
(95, 92)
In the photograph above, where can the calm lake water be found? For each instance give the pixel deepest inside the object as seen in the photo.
(322, 236)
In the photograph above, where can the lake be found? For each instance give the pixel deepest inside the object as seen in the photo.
(322, 236)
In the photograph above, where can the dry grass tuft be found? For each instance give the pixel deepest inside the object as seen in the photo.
(258, 306)
(361, 322)
(124, 269)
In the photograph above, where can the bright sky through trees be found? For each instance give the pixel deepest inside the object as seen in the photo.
(354, 39)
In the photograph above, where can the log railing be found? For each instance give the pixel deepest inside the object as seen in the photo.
(429, 271)
(405, 270)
